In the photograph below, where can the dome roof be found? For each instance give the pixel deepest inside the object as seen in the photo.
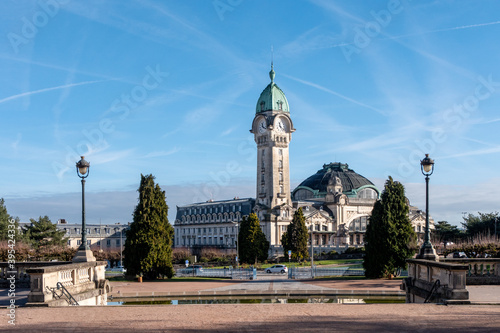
(352, 182)
(272, 98)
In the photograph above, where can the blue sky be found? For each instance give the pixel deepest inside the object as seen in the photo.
(170, 87)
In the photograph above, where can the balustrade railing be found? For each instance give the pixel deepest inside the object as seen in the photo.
(480, 270)
(66, 277)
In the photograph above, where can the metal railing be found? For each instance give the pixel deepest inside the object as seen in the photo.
(229, 273)
(308, 272)
(64, 293)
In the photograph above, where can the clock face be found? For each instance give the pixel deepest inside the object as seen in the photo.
(262, 126)
(280, 126)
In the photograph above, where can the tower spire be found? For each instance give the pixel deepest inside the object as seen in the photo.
(271, 73)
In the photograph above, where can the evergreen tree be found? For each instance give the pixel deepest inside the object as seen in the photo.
(253, 243)
(43, 233)
(445, 232)
(295, 237)
(389, 235)
(5, 220)
(148, 247)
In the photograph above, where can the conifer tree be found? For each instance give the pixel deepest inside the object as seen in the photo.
(389, 238)
(253, 243)
(5, 220)
(43, 233)
(295, 237)
(148, 247)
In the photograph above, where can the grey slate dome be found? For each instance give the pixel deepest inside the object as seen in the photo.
(354, 185)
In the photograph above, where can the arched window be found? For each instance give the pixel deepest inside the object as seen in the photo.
(358, 224)
(368, 193)
(303, 194)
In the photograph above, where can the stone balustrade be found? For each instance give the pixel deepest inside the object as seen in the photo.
(85, 281)
(437, 282)
(19, 271)
(481, 271)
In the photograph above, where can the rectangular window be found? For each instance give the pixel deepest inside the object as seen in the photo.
(77, 230)
(98, 242)
(97, 230)
(108, 242)
(88, 231)
(107, 230)
(117, 242)
(69, 242)
(78, 242)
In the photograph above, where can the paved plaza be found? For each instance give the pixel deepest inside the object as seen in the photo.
(265, 317)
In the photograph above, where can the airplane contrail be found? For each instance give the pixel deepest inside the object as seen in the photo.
(29, 93)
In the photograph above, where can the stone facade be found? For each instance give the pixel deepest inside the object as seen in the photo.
(211, 223)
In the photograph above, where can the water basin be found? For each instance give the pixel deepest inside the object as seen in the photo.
(252, 300)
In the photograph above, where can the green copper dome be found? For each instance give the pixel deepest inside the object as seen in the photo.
(272, 98)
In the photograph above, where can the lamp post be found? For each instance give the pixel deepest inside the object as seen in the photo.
(312, 250)
(238, 242)
(427, 251)
(83, 253)
(121, 248)
(495, 220)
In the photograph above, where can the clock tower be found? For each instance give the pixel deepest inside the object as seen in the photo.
(272, 128)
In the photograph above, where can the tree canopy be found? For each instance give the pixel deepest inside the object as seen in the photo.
(389, 237)
(295, 237)
(5, 220)
(43, 233)
(253, 245)
(445, 232)
(482, 224)
(148, 247)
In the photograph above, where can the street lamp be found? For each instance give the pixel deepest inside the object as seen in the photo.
(427, 251)
(312, 250)
(84, 253)
(238, 242)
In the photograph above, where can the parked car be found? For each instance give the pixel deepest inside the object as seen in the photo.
(277, 269)
(193, 269)
(459, 255)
